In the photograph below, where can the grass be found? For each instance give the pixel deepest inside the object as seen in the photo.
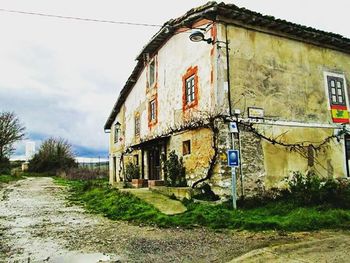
(99, 198)
(5, 178)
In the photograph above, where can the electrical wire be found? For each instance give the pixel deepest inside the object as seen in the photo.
(78, 18)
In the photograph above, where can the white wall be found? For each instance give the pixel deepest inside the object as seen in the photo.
(174, 58)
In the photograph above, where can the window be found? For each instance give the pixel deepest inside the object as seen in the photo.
(137, 125)
(336, 90)
(136, 159)
(310, 156)
(152, 72)
(190, 88)
(186, 147)
(153, 110)
(116, 132)
(190, 93)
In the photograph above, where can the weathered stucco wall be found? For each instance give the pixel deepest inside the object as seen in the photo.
(286, 78)
(267, 165)
(116, 146)
(171, 64)
(282, 76)
(197, 162)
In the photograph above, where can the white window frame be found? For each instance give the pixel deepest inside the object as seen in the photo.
(337, 75)
(153, 61)
(190, 93)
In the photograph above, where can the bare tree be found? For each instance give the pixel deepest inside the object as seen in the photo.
(11, 130)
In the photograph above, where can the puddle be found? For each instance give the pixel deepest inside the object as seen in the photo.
(83, 258)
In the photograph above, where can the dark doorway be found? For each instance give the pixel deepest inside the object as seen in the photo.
(154, 163)
(114, 167)
(347, 153)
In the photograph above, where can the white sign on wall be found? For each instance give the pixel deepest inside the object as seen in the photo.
(233, 127)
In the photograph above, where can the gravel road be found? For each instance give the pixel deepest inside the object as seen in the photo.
(38, 225)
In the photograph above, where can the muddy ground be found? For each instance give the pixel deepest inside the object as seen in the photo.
(38, 225)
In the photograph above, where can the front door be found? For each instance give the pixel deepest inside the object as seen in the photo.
(154, 163)
(347, 154)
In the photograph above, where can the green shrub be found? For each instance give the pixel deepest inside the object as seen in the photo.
(54, 155)
(5, 166)
(175, 174)
(312, 190)
(132, 171)
(305, 190)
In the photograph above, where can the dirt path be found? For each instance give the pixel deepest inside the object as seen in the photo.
(334, 248)
(37, 225)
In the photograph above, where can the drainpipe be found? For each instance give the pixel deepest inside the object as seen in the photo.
(228, 71)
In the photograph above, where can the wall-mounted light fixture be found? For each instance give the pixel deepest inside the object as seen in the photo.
(197, 36)
(117, 125)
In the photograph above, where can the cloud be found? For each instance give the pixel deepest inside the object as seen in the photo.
(62, 77)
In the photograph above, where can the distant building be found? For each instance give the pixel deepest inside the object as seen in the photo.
(30, 150)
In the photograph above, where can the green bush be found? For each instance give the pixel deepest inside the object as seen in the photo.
(175, 174)
(132, 171)
(5, 166)
(305, 190)
(54, 155)
(311, 190)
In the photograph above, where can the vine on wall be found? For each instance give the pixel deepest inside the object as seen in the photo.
(211, 120)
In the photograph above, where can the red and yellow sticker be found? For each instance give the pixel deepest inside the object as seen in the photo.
(340, 114)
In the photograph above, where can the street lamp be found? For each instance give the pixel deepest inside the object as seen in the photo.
(197, 36)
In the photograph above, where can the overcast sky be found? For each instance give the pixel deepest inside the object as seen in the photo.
(62, 77)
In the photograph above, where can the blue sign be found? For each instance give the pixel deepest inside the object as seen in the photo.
(233, 158)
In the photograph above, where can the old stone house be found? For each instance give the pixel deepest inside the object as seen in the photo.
(284, 84)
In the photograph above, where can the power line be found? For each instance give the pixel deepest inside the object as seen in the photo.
(78, 18)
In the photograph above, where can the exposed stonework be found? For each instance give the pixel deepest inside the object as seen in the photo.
(253, 170)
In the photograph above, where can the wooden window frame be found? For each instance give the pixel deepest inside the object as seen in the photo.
(186, 147)
(153, 112)
(152, 74)
(116, 134)
(137, 125)
(136, 159)
(190, 75)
